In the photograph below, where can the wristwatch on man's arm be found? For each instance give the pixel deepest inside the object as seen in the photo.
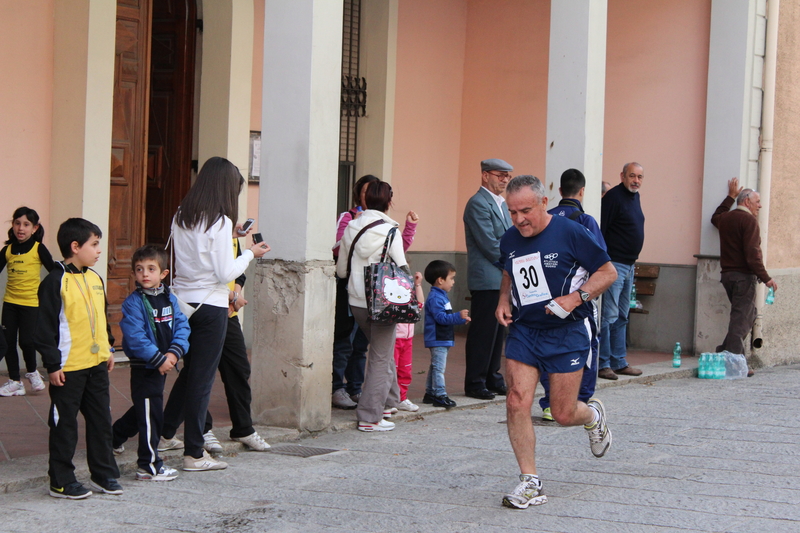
(585, 296)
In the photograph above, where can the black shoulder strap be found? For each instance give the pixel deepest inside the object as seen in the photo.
(387, 243)
(353, 244)
(575, 214)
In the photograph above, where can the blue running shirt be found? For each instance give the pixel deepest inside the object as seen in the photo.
(553, 263)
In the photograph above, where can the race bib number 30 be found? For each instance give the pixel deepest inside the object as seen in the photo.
(529, 279)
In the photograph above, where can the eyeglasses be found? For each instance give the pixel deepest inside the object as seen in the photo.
(501, 175)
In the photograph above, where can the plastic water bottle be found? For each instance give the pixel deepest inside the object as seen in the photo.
(676, 356)
(719, 366)
(632, 304)
(711, 366)
(770, 296)
(702, 367)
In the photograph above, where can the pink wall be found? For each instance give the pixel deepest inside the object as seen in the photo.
(430, 70)
(26, 101)
(783, 246)
(504, 112)
(258, 65)
(471, 84)
(656, 81)
(255, 99)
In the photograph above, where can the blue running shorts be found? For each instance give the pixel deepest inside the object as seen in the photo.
(556, 351)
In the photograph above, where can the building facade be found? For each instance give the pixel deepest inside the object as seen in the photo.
(106, 108)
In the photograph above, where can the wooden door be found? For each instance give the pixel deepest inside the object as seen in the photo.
(128, 154)
(169, 159)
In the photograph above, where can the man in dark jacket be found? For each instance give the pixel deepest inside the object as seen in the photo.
(741, 261)
(622, 224)
(485, 221)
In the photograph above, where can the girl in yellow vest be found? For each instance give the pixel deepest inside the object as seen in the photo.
(25, 255)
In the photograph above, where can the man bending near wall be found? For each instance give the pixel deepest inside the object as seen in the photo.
(740, 261)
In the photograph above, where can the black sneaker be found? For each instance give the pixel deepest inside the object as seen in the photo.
(427, 398)
(443, 401)
(109, 486)
(480, 394)
(71, 491)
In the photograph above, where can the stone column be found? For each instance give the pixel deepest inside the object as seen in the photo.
(293, 290)
(83, 100)
(227, 69)
(733, 121)
(576, 96)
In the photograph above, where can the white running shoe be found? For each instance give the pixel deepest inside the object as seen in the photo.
(35, 378)
(599, 434)
(389, 411)
(383, 425)
(170, 444)
(254, 442)
(406, 405)
(12, 388)
(204, 463)
(119, 450)
(211, 444)
(527, 493)
(164, 474)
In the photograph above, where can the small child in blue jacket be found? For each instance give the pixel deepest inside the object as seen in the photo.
(155, 336)
(439, 332)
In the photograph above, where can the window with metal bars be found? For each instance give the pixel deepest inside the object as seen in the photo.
(354, 101)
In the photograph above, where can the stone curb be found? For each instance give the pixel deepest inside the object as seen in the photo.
(28, 472)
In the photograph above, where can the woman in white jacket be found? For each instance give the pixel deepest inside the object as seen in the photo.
(380, 390)
(202, 230)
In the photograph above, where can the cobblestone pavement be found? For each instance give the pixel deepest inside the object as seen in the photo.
(687, 455)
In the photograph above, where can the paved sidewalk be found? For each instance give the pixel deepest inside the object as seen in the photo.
(29, 467)
(23, 419)
(688, 455)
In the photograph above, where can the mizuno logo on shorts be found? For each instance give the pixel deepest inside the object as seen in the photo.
(575, 362)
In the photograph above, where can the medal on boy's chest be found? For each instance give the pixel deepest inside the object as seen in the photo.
(91, 311)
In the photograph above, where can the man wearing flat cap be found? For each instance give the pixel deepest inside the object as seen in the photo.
(486, 219)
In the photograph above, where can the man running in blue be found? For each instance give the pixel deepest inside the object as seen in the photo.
(552, 269)
(573, 185)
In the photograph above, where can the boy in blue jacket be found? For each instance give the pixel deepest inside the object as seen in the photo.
(155, 336)
(439, 331)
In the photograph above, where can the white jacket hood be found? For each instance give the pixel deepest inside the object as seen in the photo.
(367, 250)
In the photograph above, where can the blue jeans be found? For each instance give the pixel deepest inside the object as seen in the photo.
(614, 319)
(434, 386)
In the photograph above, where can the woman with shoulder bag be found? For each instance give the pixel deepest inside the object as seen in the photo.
(380, 392)
(201, 240)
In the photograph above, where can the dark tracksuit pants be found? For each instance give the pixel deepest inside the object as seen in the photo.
(234, 368)
(349, 345)
(188, 400)
(19, 320)
(146, 417)
(84, 391)
(484, 348)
